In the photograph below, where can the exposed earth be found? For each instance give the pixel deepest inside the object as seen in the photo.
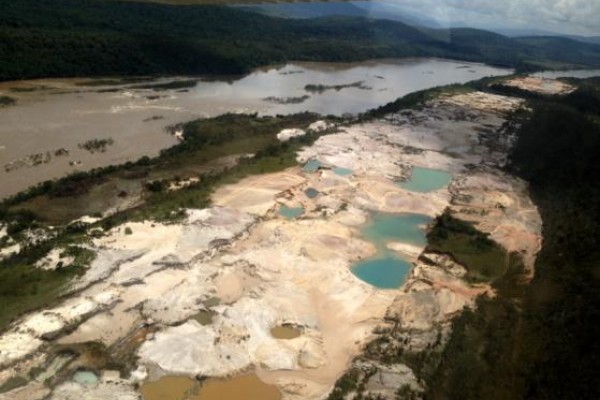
(199, 298)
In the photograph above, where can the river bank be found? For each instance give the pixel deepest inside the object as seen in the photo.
(43, 134)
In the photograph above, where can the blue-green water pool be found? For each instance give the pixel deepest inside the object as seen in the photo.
(311, 193)
(384, 228)
(312, 165)
(342, 171)
(426, 180)
(85, 377)
(291, 212)
(386, 269)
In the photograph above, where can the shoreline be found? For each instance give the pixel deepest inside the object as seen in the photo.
(136, 118)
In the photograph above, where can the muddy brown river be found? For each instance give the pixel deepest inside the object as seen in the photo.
(43, 136)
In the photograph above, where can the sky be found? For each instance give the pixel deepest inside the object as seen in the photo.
(577, 17)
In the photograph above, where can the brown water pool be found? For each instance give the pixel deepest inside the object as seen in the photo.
(242, 387)
(286, 332)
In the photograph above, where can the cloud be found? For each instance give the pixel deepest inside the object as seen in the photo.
(566, 16)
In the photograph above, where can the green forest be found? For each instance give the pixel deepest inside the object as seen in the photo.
(57, 38)
(539, 340)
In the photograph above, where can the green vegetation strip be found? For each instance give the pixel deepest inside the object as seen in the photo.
(521, 343)
(13, 383)
(484, 259)
(6, 101)
(24, 287)
(206, 141)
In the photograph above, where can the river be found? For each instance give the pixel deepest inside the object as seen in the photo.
(55, 114)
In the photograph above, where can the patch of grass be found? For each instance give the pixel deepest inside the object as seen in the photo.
(212, 302)
(348, 383)
(27, 89)
(166, 206)
(6, 101)
(82, 256)
(352, 385)
(13, 383)
(484, 259)
(24, 287)
(319, 88)
(114, 81)
(203, 317)
(287, 100)
(406, 392)
(157, 87)
(95, 145)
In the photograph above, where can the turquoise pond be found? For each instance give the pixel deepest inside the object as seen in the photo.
(291, 212)
(386, 269)
(384, 228)
(312, 166)
(426, 180)
(342, 171)
(85, 377)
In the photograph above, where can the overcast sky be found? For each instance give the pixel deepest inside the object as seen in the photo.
(580, 17)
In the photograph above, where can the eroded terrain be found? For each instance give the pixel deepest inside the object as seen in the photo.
(199, 298)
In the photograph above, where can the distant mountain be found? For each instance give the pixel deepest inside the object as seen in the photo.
(366, 9)
(560, 50)
(585, 39)
(385, 9)
(536, 32)
(44, 38)
(523, 32)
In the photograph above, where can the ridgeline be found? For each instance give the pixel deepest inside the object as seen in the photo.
(60, 38)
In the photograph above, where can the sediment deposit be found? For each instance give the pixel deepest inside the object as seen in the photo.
(251, 269)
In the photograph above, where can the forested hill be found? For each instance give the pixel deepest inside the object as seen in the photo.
(41, 38)
(538, 339)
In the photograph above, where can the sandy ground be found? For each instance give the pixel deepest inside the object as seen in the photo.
(540, 85)
(267, 270)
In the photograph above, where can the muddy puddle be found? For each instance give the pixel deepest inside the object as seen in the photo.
(243, 387)
(171, 388)
(286, 332)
